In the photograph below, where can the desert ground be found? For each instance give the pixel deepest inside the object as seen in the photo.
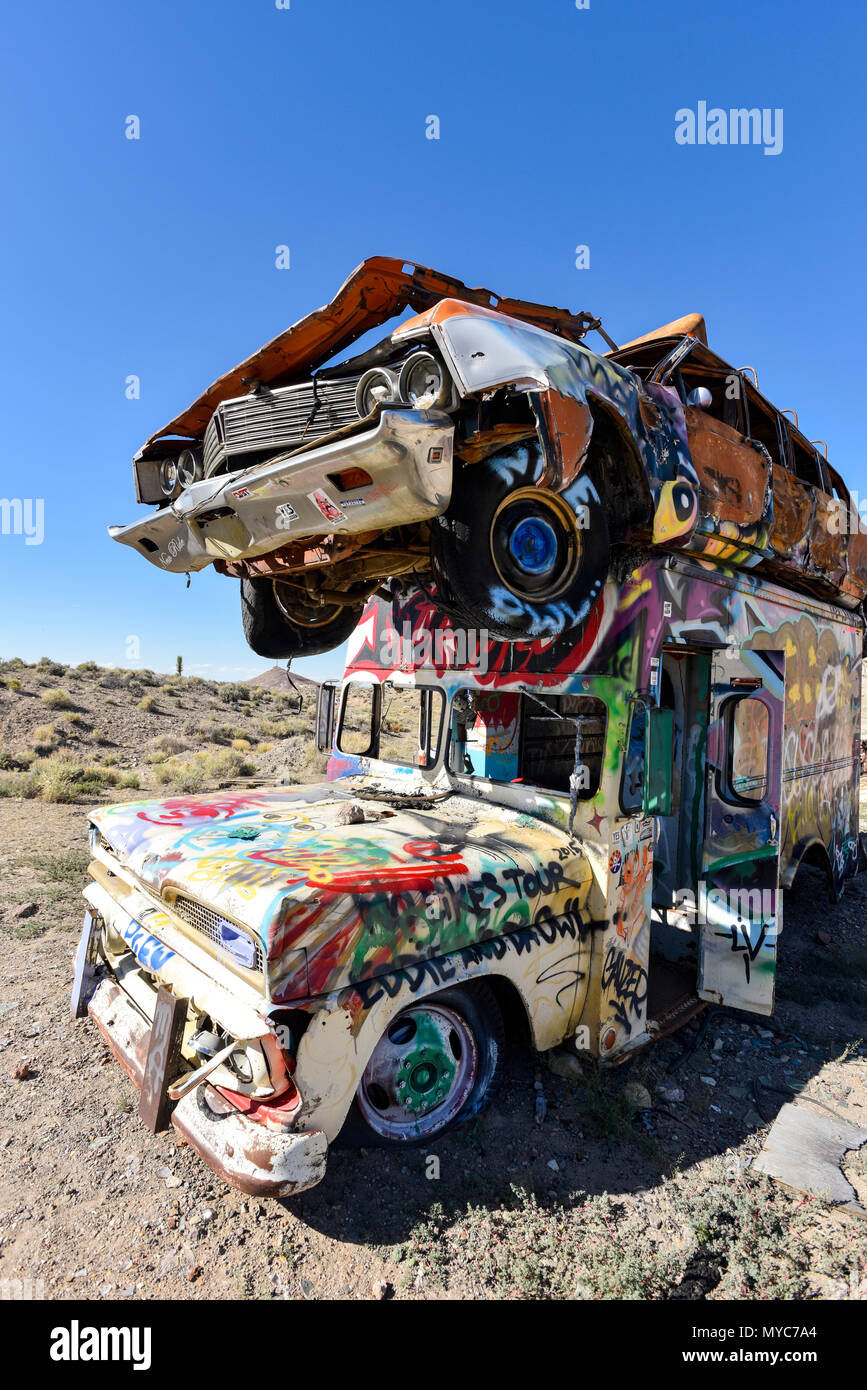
(631, 1183)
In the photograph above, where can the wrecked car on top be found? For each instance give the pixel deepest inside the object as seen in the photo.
(483, 448)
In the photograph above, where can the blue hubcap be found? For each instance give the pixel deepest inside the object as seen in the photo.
(533, 545)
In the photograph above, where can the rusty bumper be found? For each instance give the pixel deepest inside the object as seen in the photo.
(261, 1159)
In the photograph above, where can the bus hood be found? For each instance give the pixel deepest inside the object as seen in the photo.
(337, 890)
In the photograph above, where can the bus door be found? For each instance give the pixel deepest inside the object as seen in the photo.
(739, 899)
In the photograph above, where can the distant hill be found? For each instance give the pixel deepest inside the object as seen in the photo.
(276, 679)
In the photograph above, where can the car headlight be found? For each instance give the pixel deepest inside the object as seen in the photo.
(169, 476)
(375, 388)
(423, 383)
(189, 467)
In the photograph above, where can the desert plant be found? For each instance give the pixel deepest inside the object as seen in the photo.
(44, 738)
(57, 699)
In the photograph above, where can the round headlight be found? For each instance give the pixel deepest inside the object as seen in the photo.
(189, 468)
(169, 476)
(422, 382)
(375, 388)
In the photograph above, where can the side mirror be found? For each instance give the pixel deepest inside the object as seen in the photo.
(700, 397)
(658, 765)
(325, 702)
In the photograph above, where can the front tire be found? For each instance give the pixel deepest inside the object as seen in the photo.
(436, 1065)
(515, 558)
(273, 629)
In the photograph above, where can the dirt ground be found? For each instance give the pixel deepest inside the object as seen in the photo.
(633, 1183)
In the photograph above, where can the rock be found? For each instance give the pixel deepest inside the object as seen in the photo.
(553, 1165)
(670, 1092)
(381, 1289)
(708, 1080)
(566, 1064)
(194, 1272)
(353, 814)
(823, 937)
(22, 1071)
(637, 1095)
(23, 911)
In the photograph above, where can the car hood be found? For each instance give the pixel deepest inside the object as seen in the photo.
(338, 890)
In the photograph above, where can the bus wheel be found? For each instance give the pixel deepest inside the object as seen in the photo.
(277, 626)
(436, 1065)
(515, 558)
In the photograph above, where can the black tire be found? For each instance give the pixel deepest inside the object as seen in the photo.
(481, 579)
(272, 633)
(480, 1013)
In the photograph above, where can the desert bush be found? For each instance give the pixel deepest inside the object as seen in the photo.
(241, 745)
(234, 694)
(57, 699)
(63, 780)
(111, 680)
(24, 784)
(181, 776)
(44, 738)
(148, 704)
(169, 745)
(12, 683)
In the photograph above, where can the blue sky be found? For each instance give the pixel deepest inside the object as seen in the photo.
(262, 126)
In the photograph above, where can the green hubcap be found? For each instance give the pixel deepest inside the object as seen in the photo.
(427, 1071)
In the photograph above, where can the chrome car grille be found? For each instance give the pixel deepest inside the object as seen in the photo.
(210, 924)
(282, 419)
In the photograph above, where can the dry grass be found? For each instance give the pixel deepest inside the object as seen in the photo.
(57, 699)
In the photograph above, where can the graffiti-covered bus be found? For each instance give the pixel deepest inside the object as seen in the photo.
(603, 701)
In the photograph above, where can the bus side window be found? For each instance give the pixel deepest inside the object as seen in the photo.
(748, 727)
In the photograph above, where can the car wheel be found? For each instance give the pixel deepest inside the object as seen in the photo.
(436, 1065)
(515, 558)
(275, 627)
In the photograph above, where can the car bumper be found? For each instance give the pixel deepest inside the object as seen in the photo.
(408, 456)
(262, 1159)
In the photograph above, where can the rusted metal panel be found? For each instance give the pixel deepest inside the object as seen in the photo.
(732, 474)
(794, 505)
